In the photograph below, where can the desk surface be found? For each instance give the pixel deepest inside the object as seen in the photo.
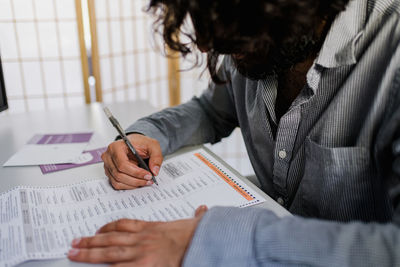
(16, 130)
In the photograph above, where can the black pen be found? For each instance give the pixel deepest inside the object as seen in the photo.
(121, 132)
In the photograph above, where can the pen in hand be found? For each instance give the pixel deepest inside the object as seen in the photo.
(121, 132)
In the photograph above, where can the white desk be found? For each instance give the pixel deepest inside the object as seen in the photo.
(15, 131)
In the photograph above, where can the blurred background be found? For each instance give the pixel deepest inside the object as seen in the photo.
(63, 53)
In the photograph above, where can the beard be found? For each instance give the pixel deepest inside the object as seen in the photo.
(276, 60)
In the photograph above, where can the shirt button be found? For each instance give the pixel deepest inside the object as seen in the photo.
(282, 154)
(280, 201)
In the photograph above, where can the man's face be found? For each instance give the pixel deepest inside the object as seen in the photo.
(264, 37)
(260, 64)
(259, 47)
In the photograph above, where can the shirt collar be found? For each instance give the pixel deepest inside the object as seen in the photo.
(338, 48)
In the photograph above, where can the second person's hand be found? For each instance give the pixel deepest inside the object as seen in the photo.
(121, 166)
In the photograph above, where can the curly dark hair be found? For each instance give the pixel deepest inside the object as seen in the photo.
(269, 35)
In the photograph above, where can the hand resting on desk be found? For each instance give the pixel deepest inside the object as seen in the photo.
(128, 242)
(121, 166)
(137, 243)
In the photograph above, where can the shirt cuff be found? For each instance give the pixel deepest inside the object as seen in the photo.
(225, 237)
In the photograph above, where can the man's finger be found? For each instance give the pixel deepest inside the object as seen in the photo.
(122, 178)
(122, 161)
(118, 147)
(155, 157)
(107, 160)
(200, 211)
(140, 261)
(108, 254)
(130, 169)
(118, 178)
(124, 225)
(128, 264)
(116, 185)
(107, 172)
(120, 186)
(106, 240)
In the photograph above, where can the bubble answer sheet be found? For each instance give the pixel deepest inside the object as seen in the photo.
(40, 222)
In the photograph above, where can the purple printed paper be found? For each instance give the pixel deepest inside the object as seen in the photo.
(86, 158)
(51, 139)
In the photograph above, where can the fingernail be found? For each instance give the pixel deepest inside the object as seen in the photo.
(203, 207)
(156, 170)
(149, 183)
(76, 241)
(147, 177)
(73, 252)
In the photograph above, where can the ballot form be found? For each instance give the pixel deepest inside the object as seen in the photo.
(40, 222)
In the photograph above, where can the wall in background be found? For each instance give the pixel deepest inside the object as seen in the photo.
(40, 52)
(130, 66)
(40, 48)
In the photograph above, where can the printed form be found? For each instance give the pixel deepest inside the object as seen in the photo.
(40, 223)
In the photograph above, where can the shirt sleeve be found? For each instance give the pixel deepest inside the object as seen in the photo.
(257, 237)
(204, 119)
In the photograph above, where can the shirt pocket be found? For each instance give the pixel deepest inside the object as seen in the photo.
(338, 183)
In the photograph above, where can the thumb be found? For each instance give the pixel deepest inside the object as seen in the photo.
(155, 158)
(200, 211)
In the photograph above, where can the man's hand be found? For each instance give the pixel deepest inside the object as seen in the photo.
(121, 166)
(137, 243)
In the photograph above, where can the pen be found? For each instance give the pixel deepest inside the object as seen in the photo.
(121, 132)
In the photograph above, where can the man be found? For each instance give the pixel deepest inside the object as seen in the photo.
(315, 88)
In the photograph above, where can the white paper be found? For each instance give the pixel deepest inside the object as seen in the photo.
(61, 148)
(97, 141)
(45, 220)
(46, 154)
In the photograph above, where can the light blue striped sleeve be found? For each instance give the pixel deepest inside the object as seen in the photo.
(256, 237)
(204, 119)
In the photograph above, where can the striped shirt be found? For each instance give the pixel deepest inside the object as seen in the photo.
(335, 155)
(331, 157)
